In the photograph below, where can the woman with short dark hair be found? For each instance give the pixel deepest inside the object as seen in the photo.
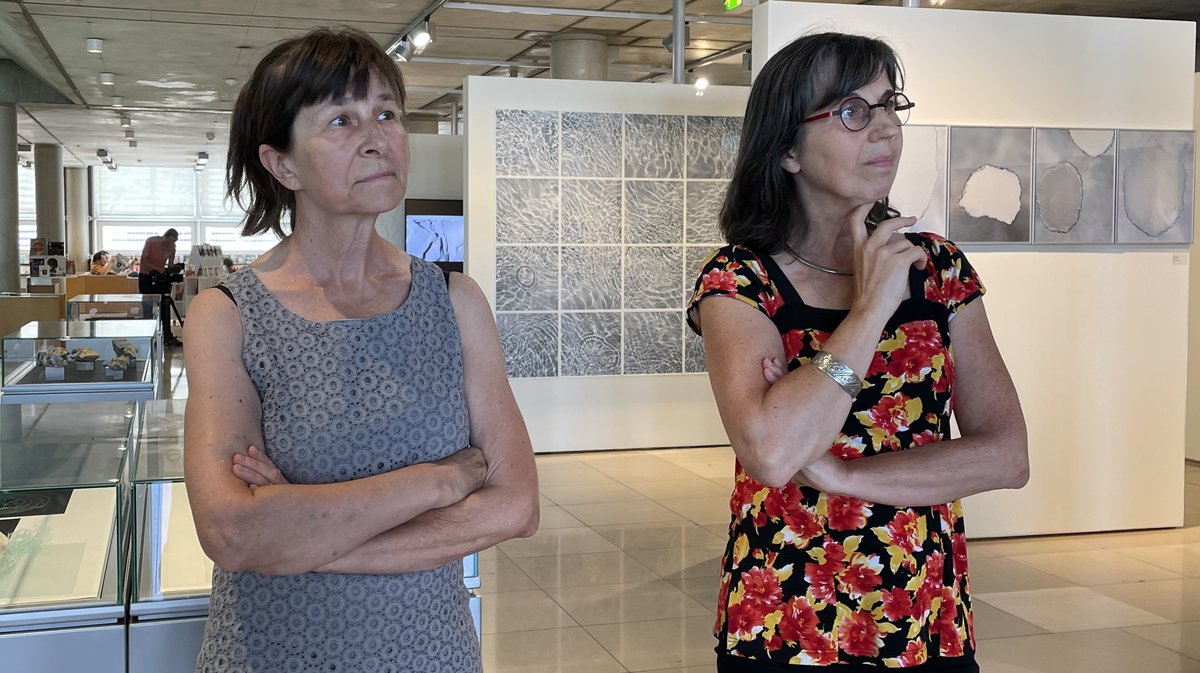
(834, 376)
(101, 264)
(350, 434)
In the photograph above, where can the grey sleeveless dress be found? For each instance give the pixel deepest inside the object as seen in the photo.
(343, 400)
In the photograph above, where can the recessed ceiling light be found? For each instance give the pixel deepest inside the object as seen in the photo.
(94, 45)
(128, 133)
(107, 79)
(230, 81)
(133, 143)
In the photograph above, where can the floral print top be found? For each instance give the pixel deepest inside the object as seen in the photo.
(816, 579)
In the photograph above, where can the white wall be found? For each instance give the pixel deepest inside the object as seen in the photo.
(435, 171)
(1193, 378)
(592, 412)
(1095, 339)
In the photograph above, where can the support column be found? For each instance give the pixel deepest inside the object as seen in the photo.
(579, 56)
(51, 207)
(678, 42)
(454, 114)
(9, 259)
(79, 239)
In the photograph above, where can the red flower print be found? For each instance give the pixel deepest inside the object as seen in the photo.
(717, 279)
(846, 513)
(820, 578)
(879, 365)
(746, 620)
(819, 649)
(762, 587)
(954, 288)
(771, 303)
(910, 363)
(834, 552)
(925, 437)
(817, 339)
(959, 542)
(848, 448)
(889, 414)
(949, 643)
(804, 525)
(904, 530)
(914, 654)
(897, 604)
(780, 501)
(793, 343)
(858, 635)
(799, 621)
(931, 588)
(859, 579)
(922, 335)
(946, 380)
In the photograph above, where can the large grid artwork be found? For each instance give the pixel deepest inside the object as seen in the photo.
(602, 222)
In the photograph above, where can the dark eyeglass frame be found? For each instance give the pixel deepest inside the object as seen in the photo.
(893, 99)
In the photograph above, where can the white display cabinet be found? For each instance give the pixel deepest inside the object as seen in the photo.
(172, 578)
(65, 520)
(82, 360)
(113, 306)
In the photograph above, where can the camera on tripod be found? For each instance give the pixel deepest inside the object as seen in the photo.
(161, 281)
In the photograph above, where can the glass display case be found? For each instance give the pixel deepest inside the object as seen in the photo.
(82, 360)
(64, 532)
(172, 577)
(113, 306)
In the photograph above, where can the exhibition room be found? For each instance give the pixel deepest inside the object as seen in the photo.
(581, 161)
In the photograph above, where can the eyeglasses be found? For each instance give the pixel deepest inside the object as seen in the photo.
(855, 112)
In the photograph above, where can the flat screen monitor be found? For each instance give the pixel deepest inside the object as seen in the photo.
(434, 230)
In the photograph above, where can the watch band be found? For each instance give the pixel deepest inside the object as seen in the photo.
(839, 371)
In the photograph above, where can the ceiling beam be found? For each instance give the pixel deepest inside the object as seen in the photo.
(590, 13)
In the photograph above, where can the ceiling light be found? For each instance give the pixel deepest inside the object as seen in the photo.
(133, 143)
(94, 45)
(422, 36)
(102, 153)
(404, 52)
(24, 147)
(202, 158)
(701, 83)
(230, 81)
(107, 79)
(112, 166)
(210, 135)
(117, 101)
(128, 133)
(126, 121)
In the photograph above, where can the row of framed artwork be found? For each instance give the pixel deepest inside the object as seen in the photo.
(1048, 185)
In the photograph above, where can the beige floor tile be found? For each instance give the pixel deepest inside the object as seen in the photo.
(708, 468)
(661, 536)
(724, 482)
(680, 488)
(522, 611)
(543, 501)
(703, 590)
(609, 513)
(975, 551)
(581, 475)
(627, 474)
(642, 646)
(681, 562)
(553, 541)
(700, 510)
(1142, 538)
(551, 651)
(719, 529)
(711, 668)
(1070, 609)
(1177, 600)
(551, 572)
(500, 575)
(553, 460)
(1183, 638)
(702, 453)
(591, 493)
(1097, 566)
(1105, 651)
(992, 622)
(490, 553)
(997, 573)
(556, 517)
(1031, 545)
(614, 603)
(1183, 559)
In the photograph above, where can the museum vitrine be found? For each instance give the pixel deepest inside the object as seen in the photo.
(113, 306)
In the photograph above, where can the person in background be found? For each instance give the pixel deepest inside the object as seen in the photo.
(102, 264)
(828, 338)
(351, 434)
(230, 267)
(158, 253)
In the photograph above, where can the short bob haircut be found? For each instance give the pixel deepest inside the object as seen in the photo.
(762, 209)
(302, 71)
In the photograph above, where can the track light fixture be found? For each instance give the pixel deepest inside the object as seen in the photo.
(133, 143)
(117, 101)
(107, 79)
(94, 45)
(126, 121)
(202, 158)
(128, 134)
(404, 52)
(422, 36)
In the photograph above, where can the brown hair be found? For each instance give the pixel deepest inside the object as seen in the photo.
(762, 208)
(302, 71)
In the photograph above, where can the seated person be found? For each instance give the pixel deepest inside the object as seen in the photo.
(102, 264)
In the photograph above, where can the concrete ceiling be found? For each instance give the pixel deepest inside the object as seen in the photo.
(171, 58)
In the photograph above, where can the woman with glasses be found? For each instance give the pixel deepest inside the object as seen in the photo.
(835, 379)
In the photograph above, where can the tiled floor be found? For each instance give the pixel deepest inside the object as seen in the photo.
(622, 577)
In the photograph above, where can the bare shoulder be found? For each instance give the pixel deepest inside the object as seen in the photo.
(467, 297)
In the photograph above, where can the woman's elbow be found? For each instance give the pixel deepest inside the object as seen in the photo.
(1019, 471)
(527, 518)
(762, 465)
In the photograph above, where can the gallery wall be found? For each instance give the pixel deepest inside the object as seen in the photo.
(1095, 338)
(435, 171)
(1193, 376)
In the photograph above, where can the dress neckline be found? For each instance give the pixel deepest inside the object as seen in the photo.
(412, 290)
